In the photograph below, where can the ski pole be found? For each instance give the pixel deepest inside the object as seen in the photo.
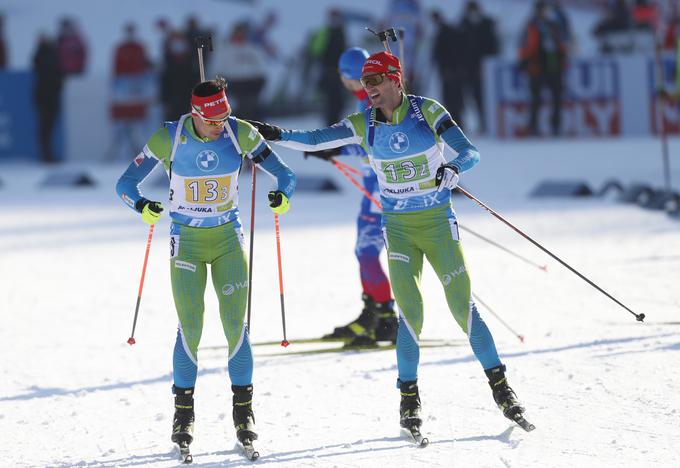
(638, 317)
(345, 168)
(131, 340)
(252, 242)
(478, 299)
(349, 168)
(401, 32)
(504, 249)
(201, 43)
(284, 342)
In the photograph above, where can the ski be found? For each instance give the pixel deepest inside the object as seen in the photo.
(329, 341)
(249, 451)
(415, 434)
(523, 423)
(386, 346)
(184, 453)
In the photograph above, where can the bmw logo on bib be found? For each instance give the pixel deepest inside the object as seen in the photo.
(398, 142)
(207, 160)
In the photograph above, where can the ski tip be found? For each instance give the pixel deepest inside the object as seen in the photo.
(131, 341)
(523, 423)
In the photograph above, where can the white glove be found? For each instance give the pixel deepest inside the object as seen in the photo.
(447, 178)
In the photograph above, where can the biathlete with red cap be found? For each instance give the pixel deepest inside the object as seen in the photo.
(377, 321)
(404, 137)
(202, 153)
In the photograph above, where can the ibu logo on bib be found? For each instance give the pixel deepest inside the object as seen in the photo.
(207, 160)
(398, 142)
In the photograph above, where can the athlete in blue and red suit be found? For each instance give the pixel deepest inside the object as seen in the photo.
(377, 321)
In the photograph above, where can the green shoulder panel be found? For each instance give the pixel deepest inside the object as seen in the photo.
(358, 121)
(432, 110)
(160, 144)
(247, 135)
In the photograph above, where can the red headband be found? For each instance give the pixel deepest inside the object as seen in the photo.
(210, 106)
(383, 62)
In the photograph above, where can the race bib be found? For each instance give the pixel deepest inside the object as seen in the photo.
(400, 171)
(207, 190)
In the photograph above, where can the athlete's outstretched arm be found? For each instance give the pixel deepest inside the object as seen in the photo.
(335, 136)
(273, 165)
(340, 134)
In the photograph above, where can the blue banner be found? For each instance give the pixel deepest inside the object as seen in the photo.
(18, 120)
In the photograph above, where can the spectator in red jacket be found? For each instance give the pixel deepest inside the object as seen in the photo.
(132, 91)
(71, 47)
(645, 15)
(543, 57)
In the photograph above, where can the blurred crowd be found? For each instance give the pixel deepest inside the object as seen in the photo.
(244, 54)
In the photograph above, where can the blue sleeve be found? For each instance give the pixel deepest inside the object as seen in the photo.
(352, 150)
(128, 184)
(274, 166)
(468, 155)
(335, 136)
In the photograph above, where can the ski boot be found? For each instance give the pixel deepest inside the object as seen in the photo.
(360, 332)
(386, 330)
(503, 395)
(505, 398)
(183, 421)
(409, 408)
(244, 419)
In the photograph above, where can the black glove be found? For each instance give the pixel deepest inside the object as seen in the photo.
(269, 132)
(326, 154)
(154, 206)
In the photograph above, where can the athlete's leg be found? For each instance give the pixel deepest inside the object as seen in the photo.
(230, 279)
(444, 252)
(368, 247)
(188, 276)
(405, 262)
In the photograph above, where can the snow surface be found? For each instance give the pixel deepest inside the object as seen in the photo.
(602, 389)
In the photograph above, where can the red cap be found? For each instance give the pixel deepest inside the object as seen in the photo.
(210, 106)
(383, 62)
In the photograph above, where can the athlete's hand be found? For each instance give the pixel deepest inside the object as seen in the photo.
(268, 132)
(447, 177)
(325, 155)
(150, 210)
(278, 201)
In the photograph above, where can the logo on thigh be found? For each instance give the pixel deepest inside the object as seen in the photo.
(447, 278)
(229, 289)
(399, 257)
(185, 266)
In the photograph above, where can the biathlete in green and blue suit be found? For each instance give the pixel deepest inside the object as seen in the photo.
(404, 137)
(202, 153)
